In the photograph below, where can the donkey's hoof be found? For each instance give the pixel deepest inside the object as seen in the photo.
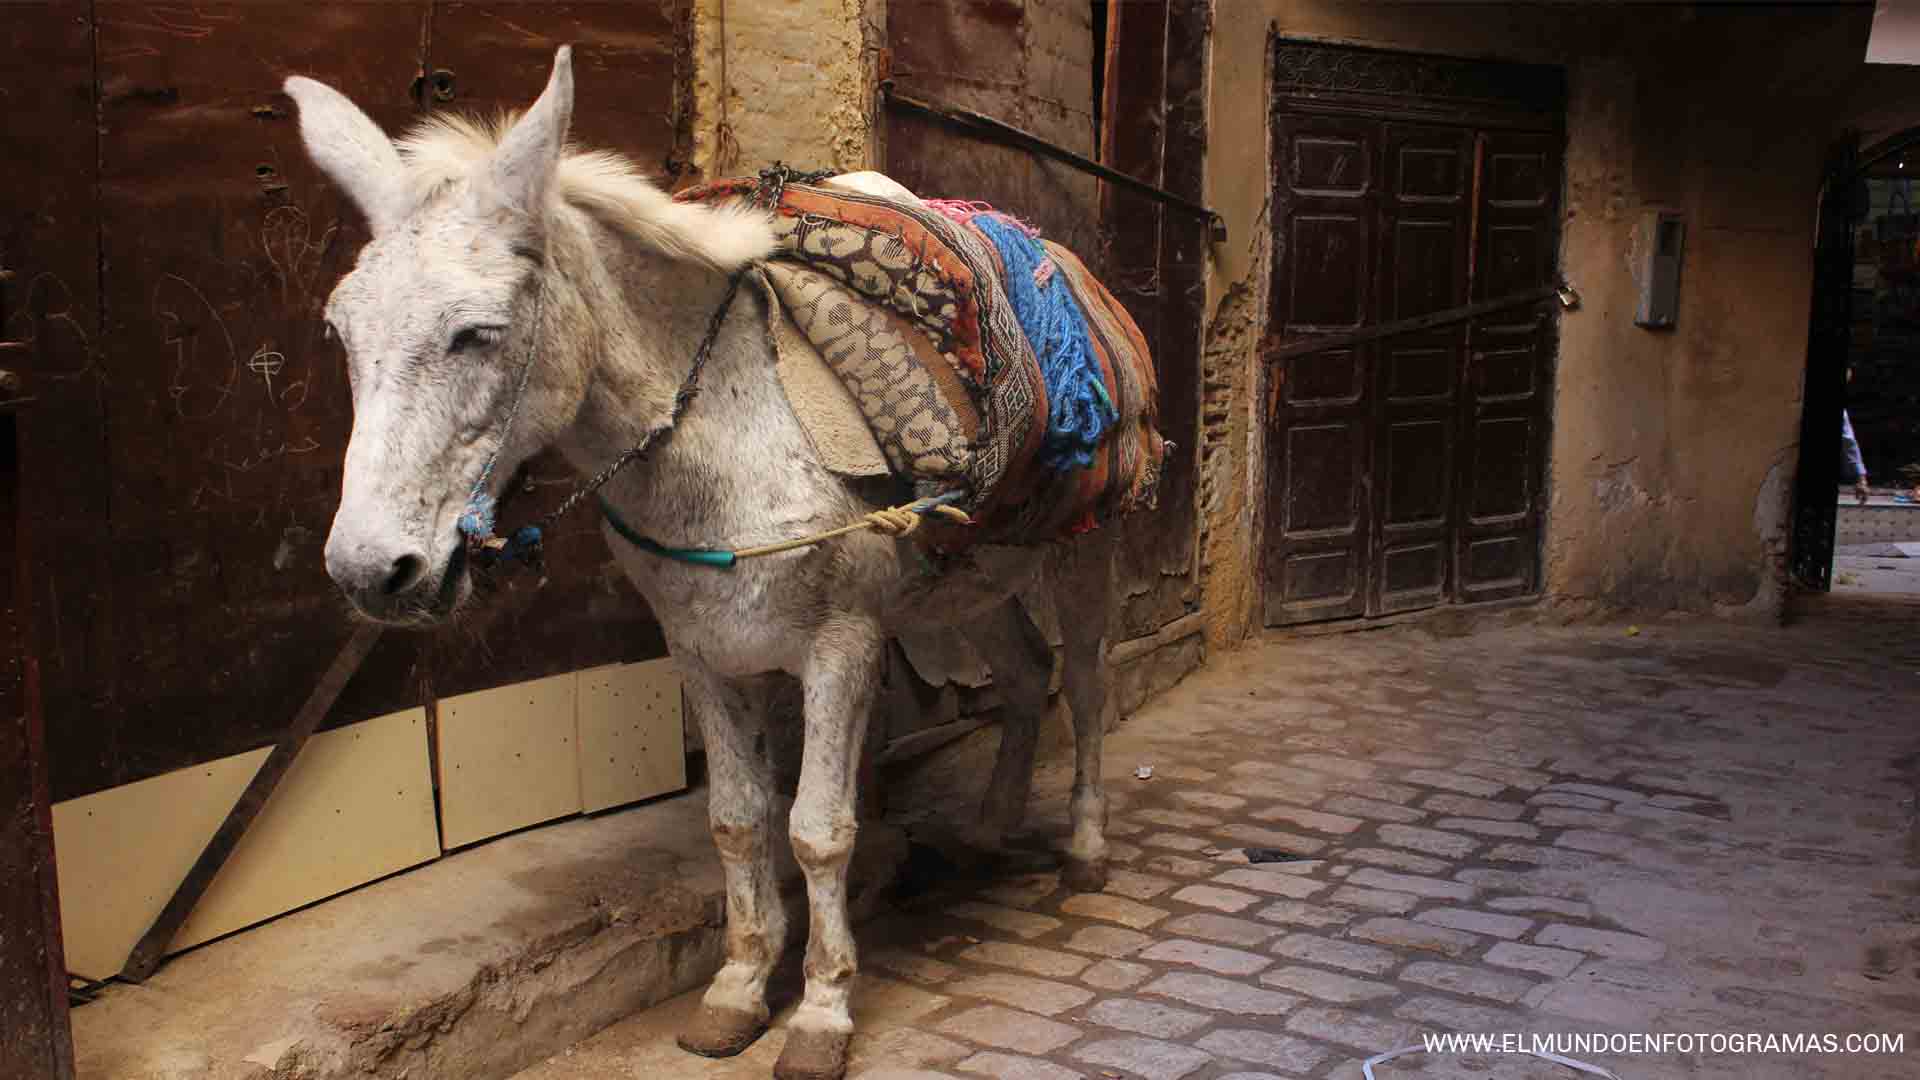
(813, 1055)
(1084, 875)
(719, 1033)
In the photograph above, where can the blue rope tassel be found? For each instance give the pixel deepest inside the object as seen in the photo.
(1079, 412)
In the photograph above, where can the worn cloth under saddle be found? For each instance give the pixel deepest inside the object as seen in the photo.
(902, 354)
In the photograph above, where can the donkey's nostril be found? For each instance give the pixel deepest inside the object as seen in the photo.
(407, 572)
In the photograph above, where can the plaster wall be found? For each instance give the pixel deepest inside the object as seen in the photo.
(1672, 453)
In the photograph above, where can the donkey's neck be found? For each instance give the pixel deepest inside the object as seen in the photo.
(737, 446)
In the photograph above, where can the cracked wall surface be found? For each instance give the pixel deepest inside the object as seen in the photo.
(1672, 454)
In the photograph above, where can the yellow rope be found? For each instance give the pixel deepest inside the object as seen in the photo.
(895, 521)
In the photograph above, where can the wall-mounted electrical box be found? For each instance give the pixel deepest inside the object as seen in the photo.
(1663, 237)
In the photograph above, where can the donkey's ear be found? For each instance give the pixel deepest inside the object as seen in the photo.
(523, 167)
(351, 149)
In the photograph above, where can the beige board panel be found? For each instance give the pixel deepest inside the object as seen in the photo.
(121, 852)
(632, 734)
(355, 806)
(507, 759)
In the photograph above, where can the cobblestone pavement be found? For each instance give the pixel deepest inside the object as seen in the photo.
(1682, 827)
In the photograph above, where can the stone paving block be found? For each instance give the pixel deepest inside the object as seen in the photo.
(1179, 866)
(1175, 819)
(1450, 1014)
(1432, 888)
(1348, 1028)
(1023, 892)
(1010, 1067)
(1412, 760)
(1556, 817)
(1301, 913)
(1467, 981)
(1147, 1018)
(1217, 898)
(1603, 843)
(1558, 963)
(1545, 905)
(1185, 773)
(1222, 995)
(1114, 941)
(1272, 882)
(1119, 827)
(888, 1072)
(1116, 975)
(1254, 836)
(1556, 858)
(911, 965)
(1379, 900)
(1505, 830)
(1511, 775)
(1023, 924)
(1176, 841)
(1118, 909)
(1223, 929)
(1251, 1076)
(1600, 791)
(1027, 958)
(1567, 799)
(1446, 845)
(1377, 809)
(1608, 943)
(1405, 934)
(1337, 824)
(1265, 1048)
(1379, 790)
(1337, 766)
(1476, 922)
(1149, 1059)
(1350, 955)
(1327, 985)
(1042, 996)
(1455, 782)
(1465, 806)
(1214, 958)
(1397, 860)
(1121, 852)
(1010, 1029)
(1540, 882)
(1209, 800)
(1136, 886)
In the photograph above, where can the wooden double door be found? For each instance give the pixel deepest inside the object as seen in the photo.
(1408, 471)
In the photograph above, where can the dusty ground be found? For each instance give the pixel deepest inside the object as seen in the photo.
(1677, 827)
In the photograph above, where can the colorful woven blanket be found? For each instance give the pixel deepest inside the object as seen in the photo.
(984, 359)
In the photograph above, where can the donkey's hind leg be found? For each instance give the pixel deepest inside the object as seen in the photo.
(1083, 595)
(732, 717)
(1022, 664)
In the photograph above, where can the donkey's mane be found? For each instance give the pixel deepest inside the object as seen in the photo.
(448, 148)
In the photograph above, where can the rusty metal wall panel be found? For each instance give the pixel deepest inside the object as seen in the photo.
(46, 93)
(1030, 65)
(195, 416)
(492, 56)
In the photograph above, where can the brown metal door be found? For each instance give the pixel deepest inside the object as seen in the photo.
(1327, 209)
(1425, 235)
(1504, 409)
(1407, 471)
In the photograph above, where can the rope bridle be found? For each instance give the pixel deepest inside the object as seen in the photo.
(485, 549)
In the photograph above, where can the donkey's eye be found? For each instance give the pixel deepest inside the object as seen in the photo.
(475, 336)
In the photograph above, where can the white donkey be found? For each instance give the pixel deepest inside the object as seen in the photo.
(491, 246)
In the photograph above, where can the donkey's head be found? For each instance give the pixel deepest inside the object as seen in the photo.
(438, 320)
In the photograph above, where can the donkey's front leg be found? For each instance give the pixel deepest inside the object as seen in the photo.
(842, 670)
(732, 717)
(1083, 597)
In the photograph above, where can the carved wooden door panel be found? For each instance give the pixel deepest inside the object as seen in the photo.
(1327, 209)
(1408, 470)
(1504, 410)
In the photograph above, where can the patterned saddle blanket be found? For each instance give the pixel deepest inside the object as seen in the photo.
(1031, 399)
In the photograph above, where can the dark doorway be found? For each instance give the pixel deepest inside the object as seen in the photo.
(1408, 471)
